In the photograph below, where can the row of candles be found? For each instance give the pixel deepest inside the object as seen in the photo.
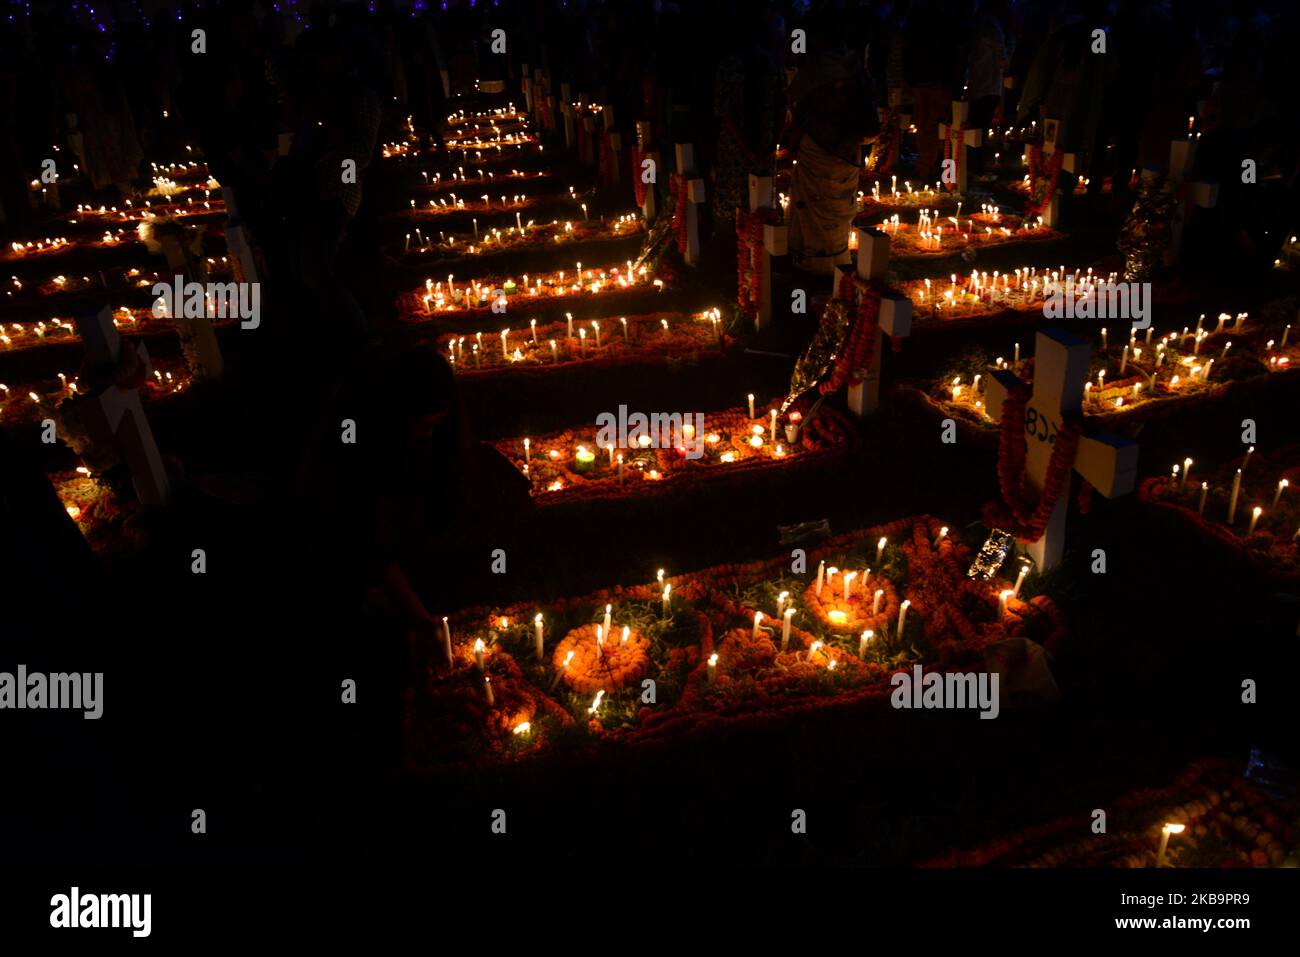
(1178, 476)
(1020, 288)
(475, 293)
(482, 177)
(456, 346)
(497, 237)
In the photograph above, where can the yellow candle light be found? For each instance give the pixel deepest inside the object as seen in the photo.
(865, 640)
(902, 616)
(1164, 841)
(785, 628)
(479, 647)
(758, 618)
(1277, 496)
(1255, 513)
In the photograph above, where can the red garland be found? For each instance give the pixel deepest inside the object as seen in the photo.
(1042, 189)
(677, 186)
(860, 342)
(1029, 521)
(749, 260)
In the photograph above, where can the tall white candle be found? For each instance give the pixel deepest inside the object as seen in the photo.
(487, 686)
(780, 601)
(446, 639)
(1277, 496)
(1246, 461)
(713, 668)
(528, 459)
(751, 405)
(876, 600)
(505, 352)
(821, 577)
(1020, 579)
(1164, 841)
(1187, 470)
(623, 320)
(608, 610)
(862, 644)
(533, 325)
(848, 584)
(569, 318)
(785, 628)
(620, 468)
(537, 631)
(880, 549)
(758, 618)
(1004, 598)
(668, 590)
(902, 615)
(1254, 517)
(1200, 508)
(1232, 501)
(478, 652)
(772, 429)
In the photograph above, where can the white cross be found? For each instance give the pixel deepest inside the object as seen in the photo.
(960, 116)
(895, 317)
(1108, 462)
(1182, 158)
(116, 415)
(776, 241)
(1069, 163)
(694, 196)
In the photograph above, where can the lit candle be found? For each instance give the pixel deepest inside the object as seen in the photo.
(785, 628)
(1277, 496)
(537, 631)
(569, 317)
(713, 668)
(446, 639)
(902, 616)
(751, 405)
(660, 576)
(848, 584)
(478, 652)
(668, 589)
(528, 458)
(1164, 841)
(555, 355)
(1187, 470)
(620, 468)
(1200, 508)
(1004, 598)
(1246, 461)
(608, 610)
(505, 352)
(943, 533)
(596, 326)
(758, 617)
(862, 644)
(813, 649)
(1232, 501)
(582, 343)
(880, 549)
(595, 705)
(487, 686)
(876, 600)
(821, 577)
(1103, 337)
(623, 320)
(1254, 517)
(1024, 570)
(533, 325)
(600, 642)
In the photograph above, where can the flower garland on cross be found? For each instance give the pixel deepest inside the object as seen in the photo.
(1042, 182)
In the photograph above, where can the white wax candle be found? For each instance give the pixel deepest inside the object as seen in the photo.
(1187, 470)
(1200, 508)
(862, 645)
(478, 652)
(1024, 570)
(780, 601)
(1232, 501)
(751, 405)
(848, 584)
(785, 628)
(1004, 598)
(446, 639)
(758, 617)
(1254, 517)
(902, 616)
(487, 686)
(813, 649)
(713, 668)
(821, 577)
(537, 631)
(667, 592)
(608, 610)
(1277, 496)
(533, 325)
(772, 429)
(876, 600)
(880, 549)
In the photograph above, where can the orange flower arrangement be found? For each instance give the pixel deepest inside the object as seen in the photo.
(595, 665)
(855, 614)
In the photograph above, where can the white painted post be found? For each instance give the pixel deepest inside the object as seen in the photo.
(895, 319)
(116, 415)
(1108, 462)
(960, 116)
(694, 196)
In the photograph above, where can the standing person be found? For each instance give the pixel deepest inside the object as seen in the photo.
(933, 64)
(990, 55)
(833, 114)
(749, 105)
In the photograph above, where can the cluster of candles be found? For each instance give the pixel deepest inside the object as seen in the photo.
(48, 244)
(1178, 479)
(497, 238)
(909, 196)
(481, 177)
(179, 170)
(1019, 289)
(505, 114)
(133, 213)
(449, 297)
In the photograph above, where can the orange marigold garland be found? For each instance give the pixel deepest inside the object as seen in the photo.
(596, 666)
(749, 260)
(1042, 183)
(854, 615)
(1029, 520)
(858, 351)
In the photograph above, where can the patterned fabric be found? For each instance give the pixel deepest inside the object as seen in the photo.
(823, 198)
